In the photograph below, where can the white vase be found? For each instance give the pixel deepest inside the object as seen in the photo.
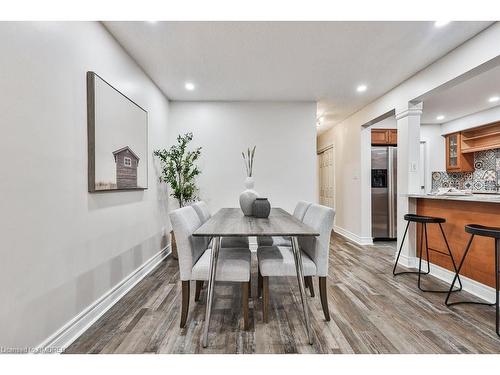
(249, 183)
(248, 196)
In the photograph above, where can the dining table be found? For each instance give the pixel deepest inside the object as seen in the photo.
(231, 222)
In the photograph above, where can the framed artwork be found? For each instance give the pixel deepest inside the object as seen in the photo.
(117, 139)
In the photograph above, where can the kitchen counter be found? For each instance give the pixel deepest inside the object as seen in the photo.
(486, 198)
(458, 211)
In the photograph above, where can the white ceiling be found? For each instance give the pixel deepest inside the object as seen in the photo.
(320, 61)
(463, 99)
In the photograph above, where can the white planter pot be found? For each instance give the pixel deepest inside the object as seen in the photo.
(249, 183)
(248, 196)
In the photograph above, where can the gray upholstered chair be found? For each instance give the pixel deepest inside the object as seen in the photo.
(279, 260)
(298, 213)
(194, 260)
(204, 214)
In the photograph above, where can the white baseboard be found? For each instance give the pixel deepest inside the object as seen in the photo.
(353, 237)
(471, 286)
(68, 333)
(408, 262)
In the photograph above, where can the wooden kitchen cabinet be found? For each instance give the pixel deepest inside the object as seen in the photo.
(456, 161)
(481, 138)
(480, 262)
(384, 137)
(393, 136)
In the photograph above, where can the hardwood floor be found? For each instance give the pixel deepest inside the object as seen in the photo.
(371, 312)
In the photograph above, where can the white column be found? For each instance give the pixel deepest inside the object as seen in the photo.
(408, 120)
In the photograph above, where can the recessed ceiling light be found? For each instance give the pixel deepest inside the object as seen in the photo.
(361, 88)
(189, 86)
(494, 99)
(440, 117)
(441, 23)
(152, 21)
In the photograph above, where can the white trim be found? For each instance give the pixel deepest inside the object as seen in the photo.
(471, 286)
(406, 261)
(409, 112)
(70, 331)
(353, 237)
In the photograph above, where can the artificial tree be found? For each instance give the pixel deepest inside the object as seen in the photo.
(179, 171)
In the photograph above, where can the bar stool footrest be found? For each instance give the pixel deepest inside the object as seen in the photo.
(470, 303)
(440, 291)
(459, 289)
(410, 273)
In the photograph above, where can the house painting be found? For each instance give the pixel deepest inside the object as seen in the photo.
(126, 168)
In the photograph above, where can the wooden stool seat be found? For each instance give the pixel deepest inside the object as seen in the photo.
(424, 219)
(482, 230)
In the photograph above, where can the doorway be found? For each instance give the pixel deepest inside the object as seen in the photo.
(326, 161)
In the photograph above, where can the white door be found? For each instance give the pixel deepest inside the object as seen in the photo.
(327, 178)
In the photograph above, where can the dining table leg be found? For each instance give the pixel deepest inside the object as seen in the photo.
(300, 278)
(210, 288)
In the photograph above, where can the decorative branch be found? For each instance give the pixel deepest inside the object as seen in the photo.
(248, 160)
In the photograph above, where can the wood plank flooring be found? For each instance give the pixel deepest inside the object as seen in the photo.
(371, 312)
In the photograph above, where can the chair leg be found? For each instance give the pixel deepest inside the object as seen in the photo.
(467, 248)
(250, 286)
(399, 252)
(309, 283)
(245, 288)
(427, 257)
(452, 258)
(324, 297)
(185, 302)
(497, 282)
(259, 285)
(265, 298)
(423, 228)
(199, 287)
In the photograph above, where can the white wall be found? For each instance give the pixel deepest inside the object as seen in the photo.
(471, 121)
(285, 157)
(387, 123)
(352, 184)
(61, 247)
(435, 151)
(346, 141)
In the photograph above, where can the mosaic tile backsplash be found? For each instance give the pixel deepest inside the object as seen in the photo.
(485, 178)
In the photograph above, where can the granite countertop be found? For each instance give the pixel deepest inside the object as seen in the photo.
(487, 198)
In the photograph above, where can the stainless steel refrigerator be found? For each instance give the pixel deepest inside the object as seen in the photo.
(384, 192)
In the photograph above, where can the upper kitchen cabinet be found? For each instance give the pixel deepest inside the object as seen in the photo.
(393, 136)
(482, 138)
(384, 137)
(456, 161)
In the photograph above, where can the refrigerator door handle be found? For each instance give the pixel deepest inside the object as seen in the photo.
(390, 188)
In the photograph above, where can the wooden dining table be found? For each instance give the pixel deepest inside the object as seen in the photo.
(231, 222)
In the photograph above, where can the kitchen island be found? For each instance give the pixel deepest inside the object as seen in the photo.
(458, 211)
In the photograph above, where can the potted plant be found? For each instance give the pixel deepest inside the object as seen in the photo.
(179, 170)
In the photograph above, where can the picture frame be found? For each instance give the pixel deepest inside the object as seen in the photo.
(117, 133)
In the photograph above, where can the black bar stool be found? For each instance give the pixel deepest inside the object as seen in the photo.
(424, 220)
(480, 230)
